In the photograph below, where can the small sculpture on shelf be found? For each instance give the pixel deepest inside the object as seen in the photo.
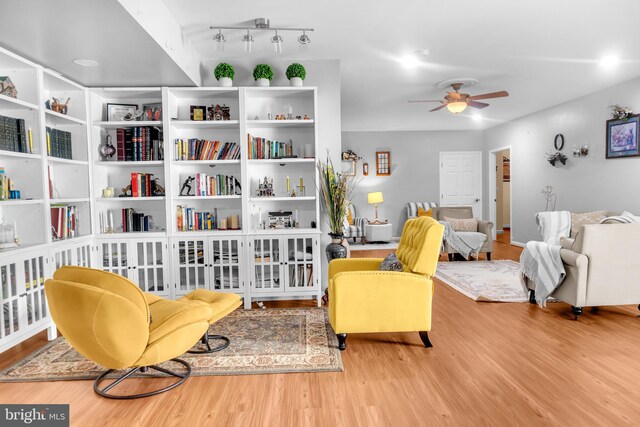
(186, 186)
(8, 235)
(7, 88)
(265, 188)
(158, 190)
(126, 191)
(107, 149)
(306, 117)
(280, 219)
(58, 106)
(217, 112)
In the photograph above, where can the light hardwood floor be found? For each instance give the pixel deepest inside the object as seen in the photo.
(491, 364)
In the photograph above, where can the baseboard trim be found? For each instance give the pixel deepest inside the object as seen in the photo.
(499, 232)
(514, 243)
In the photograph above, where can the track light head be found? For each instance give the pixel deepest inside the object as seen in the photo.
(304, 38)
(220, 39)
(247, 40)
(277, 43)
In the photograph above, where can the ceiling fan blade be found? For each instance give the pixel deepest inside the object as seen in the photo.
(429, 100)
(500, 94)
(438, 108)
(476, 104)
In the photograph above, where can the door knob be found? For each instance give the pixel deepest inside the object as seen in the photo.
(477, 200)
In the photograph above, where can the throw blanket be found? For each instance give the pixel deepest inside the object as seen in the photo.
(464, 243)
(541, 262)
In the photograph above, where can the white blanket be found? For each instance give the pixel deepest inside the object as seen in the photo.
(465, 243)
(541, 262)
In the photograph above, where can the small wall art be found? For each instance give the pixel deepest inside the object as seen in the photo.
(383, 163)
(622, 137)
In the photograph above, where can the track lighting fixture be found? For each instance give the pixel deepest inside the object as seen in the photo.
(261, 24)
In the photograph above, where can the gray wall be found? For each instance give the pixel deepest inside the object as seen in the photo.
(414, 168)
(584, 184)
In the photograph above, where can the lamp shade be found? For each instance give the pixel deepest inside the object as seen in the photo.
(375, 197)
(457, 107)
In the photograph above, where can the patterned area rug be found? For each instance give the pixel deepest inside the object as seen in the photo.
(267, 341)
(497, 281)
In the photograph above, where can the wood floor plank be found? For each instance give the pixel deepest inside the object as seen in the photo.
(491, 364)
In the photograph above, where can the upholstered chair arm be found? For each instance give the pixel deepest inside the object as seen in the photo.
(485, 227)
(353, 264)
(574, 287)
(380, 301)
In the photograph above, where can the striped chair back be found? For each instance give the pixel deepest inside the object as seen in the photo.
(412, 208)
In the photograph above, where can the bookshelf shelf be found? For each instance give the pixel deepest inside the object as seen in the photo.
(201, 233)
(69, 200)
(12, 103)
(294, 231)
(126, 124)
(282, 199)
(279, 161)
(137, 234)
(205, 162)
(67, 240)
(56, 118)
(280, 123)
(130, 163)
(6, 153)
(51, 159)
(18, 202)
(185, 198)
(205, 124)
(129, 199)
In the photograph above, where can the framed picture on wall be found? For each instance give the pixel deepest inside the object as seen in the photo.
(383, 163)
(349, 167)
(622, 138)
(506, 169)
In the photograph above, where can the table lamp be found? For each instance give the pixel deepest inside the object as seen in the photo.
(374, 199)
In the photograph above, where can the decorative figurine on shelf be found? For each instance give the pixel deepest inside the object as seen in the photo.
(280, 117)
(298, 117)
(186, 186)
(107, 149)
(265, 188)
(8, 235)
(126, 191)
(214, 112)
(306, 117)
(58, 106)
(226, 112)
(132, 116)
(280, 219)
(7, 88)
(158, 190)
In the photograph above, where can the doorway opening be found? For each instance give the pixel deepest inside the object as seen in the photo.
(500, 167)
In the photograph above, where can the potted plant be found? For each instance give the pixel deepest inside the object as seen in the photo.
(556, 157)
(263, 74)
(224, 73)
(296, 74)
(335, 189)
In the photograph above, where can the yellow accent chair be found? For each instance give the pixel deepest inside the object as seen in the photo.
(364, 299)
(222, 304)
(110, 321)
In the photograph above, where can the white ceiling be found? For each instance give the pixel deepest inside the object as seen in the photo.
(53, 33)
(543, 52)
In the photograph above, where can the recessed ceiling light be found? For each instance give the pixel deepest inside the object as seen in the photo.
(609, 61)
(409, 61)
(85, 62)
(477, 117)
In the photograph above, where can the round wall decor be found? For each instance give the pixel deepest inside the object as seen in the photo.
(558, 142)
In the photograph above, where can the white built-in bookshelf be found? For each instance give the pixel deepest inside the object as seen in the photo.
(236, 252)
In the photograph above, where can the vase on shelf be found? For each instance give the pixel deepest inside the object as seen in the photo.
(336, 249)
(263, 82)
(295, 81)
(225, 82)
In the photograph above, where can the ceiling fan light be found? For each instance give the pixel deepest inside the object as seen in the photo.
(457, 107)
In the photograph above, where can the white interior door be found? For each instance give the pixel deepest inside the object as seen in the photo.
(461, 180)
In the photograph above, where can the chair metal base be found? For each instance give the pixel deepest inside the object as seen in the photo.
(103, 392)
(205, 340)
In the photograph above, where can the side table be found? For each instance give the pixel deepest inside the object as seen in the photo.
(378, 233)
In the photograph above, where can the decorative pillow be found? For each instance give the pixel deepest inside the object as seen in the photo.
(391, 263)
(469, 224)
(349, 217)
(580, 219)
(422, 212)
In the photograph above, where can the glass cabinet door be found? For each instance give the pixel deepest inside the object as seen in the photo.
(83, 255)
(36, 308)
(267, 264)
(226, 264)
(62, 256)
(9, 298)
(149, 269)
(190, 259)
(300, 252)
(114, 257)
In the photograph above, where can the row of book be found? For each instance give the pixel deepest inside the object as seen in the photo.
(140, 143)
(6, 185)
(143, 184)
(262, 148)
(216, 185)
(64, 222)
(59, 143)
(134, 221)
(202, 149)
(14, 135)
(188, 219)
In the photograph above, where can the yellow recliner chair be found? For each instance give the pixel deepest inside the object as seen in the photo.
(364, 299)
(107, 319)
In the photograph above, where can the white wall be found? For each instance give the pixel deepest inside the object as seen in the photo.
(325, 74)
(584, 184)
(414, 168)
